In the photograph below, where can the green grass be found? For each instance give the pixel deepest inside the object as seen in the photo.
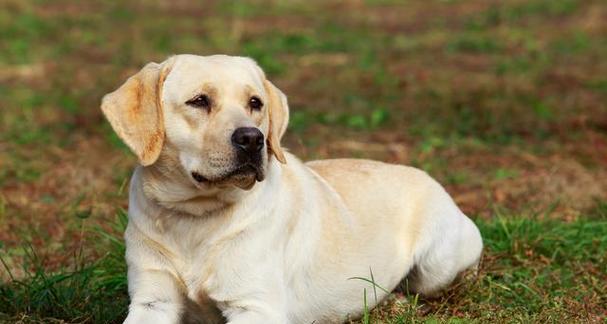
(89, 291)
(503, 102)
(533, 270)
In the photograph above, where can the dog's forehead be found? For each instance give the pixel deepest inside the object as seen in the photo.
(191, 72)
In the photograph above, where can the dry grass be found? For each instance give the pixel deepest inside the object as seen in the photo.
(503, 102)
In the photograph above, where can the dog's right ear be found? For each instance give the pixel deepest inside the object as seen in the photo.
(135, 112)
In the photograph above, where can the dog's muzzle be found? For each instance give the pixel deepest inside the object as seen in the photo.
(248, 143)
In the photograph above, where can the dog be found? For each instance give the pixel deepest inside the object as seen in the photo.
(226, 226)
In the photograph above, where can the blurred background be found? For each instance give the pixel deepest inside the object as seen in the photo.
(504, 102)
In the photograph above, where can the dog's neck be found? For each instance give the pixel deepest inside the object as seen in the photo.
(165, 184)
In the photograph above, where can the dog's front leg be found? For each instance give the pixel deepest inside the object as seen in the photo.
(155, 297)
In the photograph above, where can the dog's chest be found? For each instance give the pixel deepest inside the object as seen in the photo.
(200, 262)
(221, 267)
(197, 275)
(218, 260)
(196, 267)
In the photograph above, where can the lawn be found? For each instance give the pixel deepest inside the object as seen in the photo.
(504, 102)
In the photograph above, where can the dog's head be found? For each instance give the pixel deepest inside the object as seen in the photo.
(216, 117)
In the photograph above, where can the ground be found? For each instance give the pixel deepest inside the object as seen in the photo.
(504, 102)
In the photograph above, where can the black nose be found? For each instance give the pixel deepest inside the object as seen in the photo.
(249, 139)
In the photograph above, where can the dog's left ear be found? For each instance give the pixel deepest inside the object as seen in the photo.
(135, 112)
(278, 110)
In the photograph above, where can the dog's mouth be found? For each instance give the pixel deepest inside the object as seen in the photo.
(243, 176)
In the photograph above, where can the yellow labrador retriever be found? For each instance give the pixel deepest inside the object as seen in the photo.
(225, 226)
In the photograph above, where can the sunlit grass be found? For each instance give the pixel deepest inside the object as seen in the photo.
(502, 102)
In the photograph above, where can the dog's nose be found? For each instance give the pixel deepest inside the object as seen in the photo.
(250, 139)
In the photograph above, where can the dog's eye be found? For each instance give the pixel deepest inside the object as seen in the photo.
(200, 101)
(255, 103)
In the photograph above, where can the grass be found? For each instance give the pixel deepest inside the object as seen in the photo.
(533, 270)
(503, 102)
(89, 291)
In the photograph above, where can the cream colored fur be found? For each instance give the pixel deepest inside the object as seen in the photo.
(280, 250)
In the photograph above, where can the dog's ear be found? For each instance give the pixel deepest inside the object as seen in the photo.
(135, 112)
(278, 111)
